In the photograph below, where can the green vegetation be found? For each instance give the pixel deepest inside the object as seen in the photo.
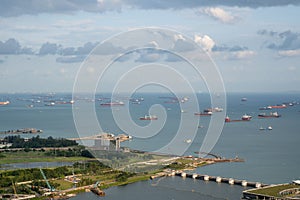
(129, 161)
(62, 184)
(87, 172)
(37, 142)
(184, 163)
(274, 191)
(54, 175)
(10, 157)
(175, 166)
(115, 168)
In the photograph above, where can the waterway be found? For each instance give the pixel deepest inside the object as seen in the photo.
(170, 188)
(270, 156)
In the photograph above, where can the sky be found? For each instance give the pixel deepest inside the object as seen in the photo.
(254, 44)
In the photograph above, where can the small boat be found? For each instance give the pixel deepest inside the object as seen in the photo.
(149, 117)
(244, 99)
(262, 128)
(188, 141)
(270, 128)
(246, 117)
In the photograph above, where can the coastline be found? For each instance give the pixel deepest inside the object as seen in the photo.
(111, 177)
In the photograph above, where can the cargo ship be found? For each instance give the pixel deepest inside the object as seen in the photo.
(209, 113)
(265, 108)
(264, 115)
(149, 117)
(113, 104)
(227, 119)
(244, 119)
(268, 128)
(216, 109)
(279, 106)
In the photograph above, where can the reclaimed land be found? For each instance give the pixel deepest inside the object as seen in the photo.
(274, 190)
(114, 168)
(34, 156)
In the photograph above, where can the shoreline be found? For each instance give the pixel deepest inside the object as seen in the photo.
(173, 164)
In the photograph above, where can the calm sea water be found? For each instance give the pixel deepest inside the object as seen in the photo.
(271, 156)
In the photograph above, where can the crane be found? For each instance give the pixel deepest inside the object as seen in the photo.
(74, 178)
(52, 189)
(14, 187)
(96, 184)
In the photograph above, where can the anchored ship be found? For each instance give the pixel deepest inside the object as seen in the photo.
(149, 117)
(2, 103)
(244, 118)
(209, 113)
(264, 115)
(120, 103)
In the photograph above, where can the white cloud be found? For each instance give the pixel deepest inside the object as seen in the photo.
(205, 42)
(219, 14)
(289, 53)
(241, 54)
(152, 44)
(147, 57)
(178, 37)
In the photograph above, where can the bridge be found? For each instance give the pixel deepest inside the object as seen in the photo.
(218, 179)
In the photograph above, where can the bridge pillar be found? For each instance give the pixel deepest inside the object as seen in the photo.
(206, 178)
(218, 179)
(183, 174)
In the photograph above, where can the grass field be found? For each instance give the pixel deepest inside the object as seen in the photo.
(34, 156)
(63, 184)
(274, 191)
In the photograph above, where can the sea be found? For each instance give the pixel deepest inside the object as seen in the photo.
(271, 156)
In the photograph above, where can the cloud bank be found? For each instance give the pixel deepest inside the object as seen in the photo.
(12, 46)
(11, 8)
(287, 43)
(68, 54)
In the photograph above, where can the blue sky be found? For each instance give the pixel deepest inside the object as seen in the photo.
(255, 44)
